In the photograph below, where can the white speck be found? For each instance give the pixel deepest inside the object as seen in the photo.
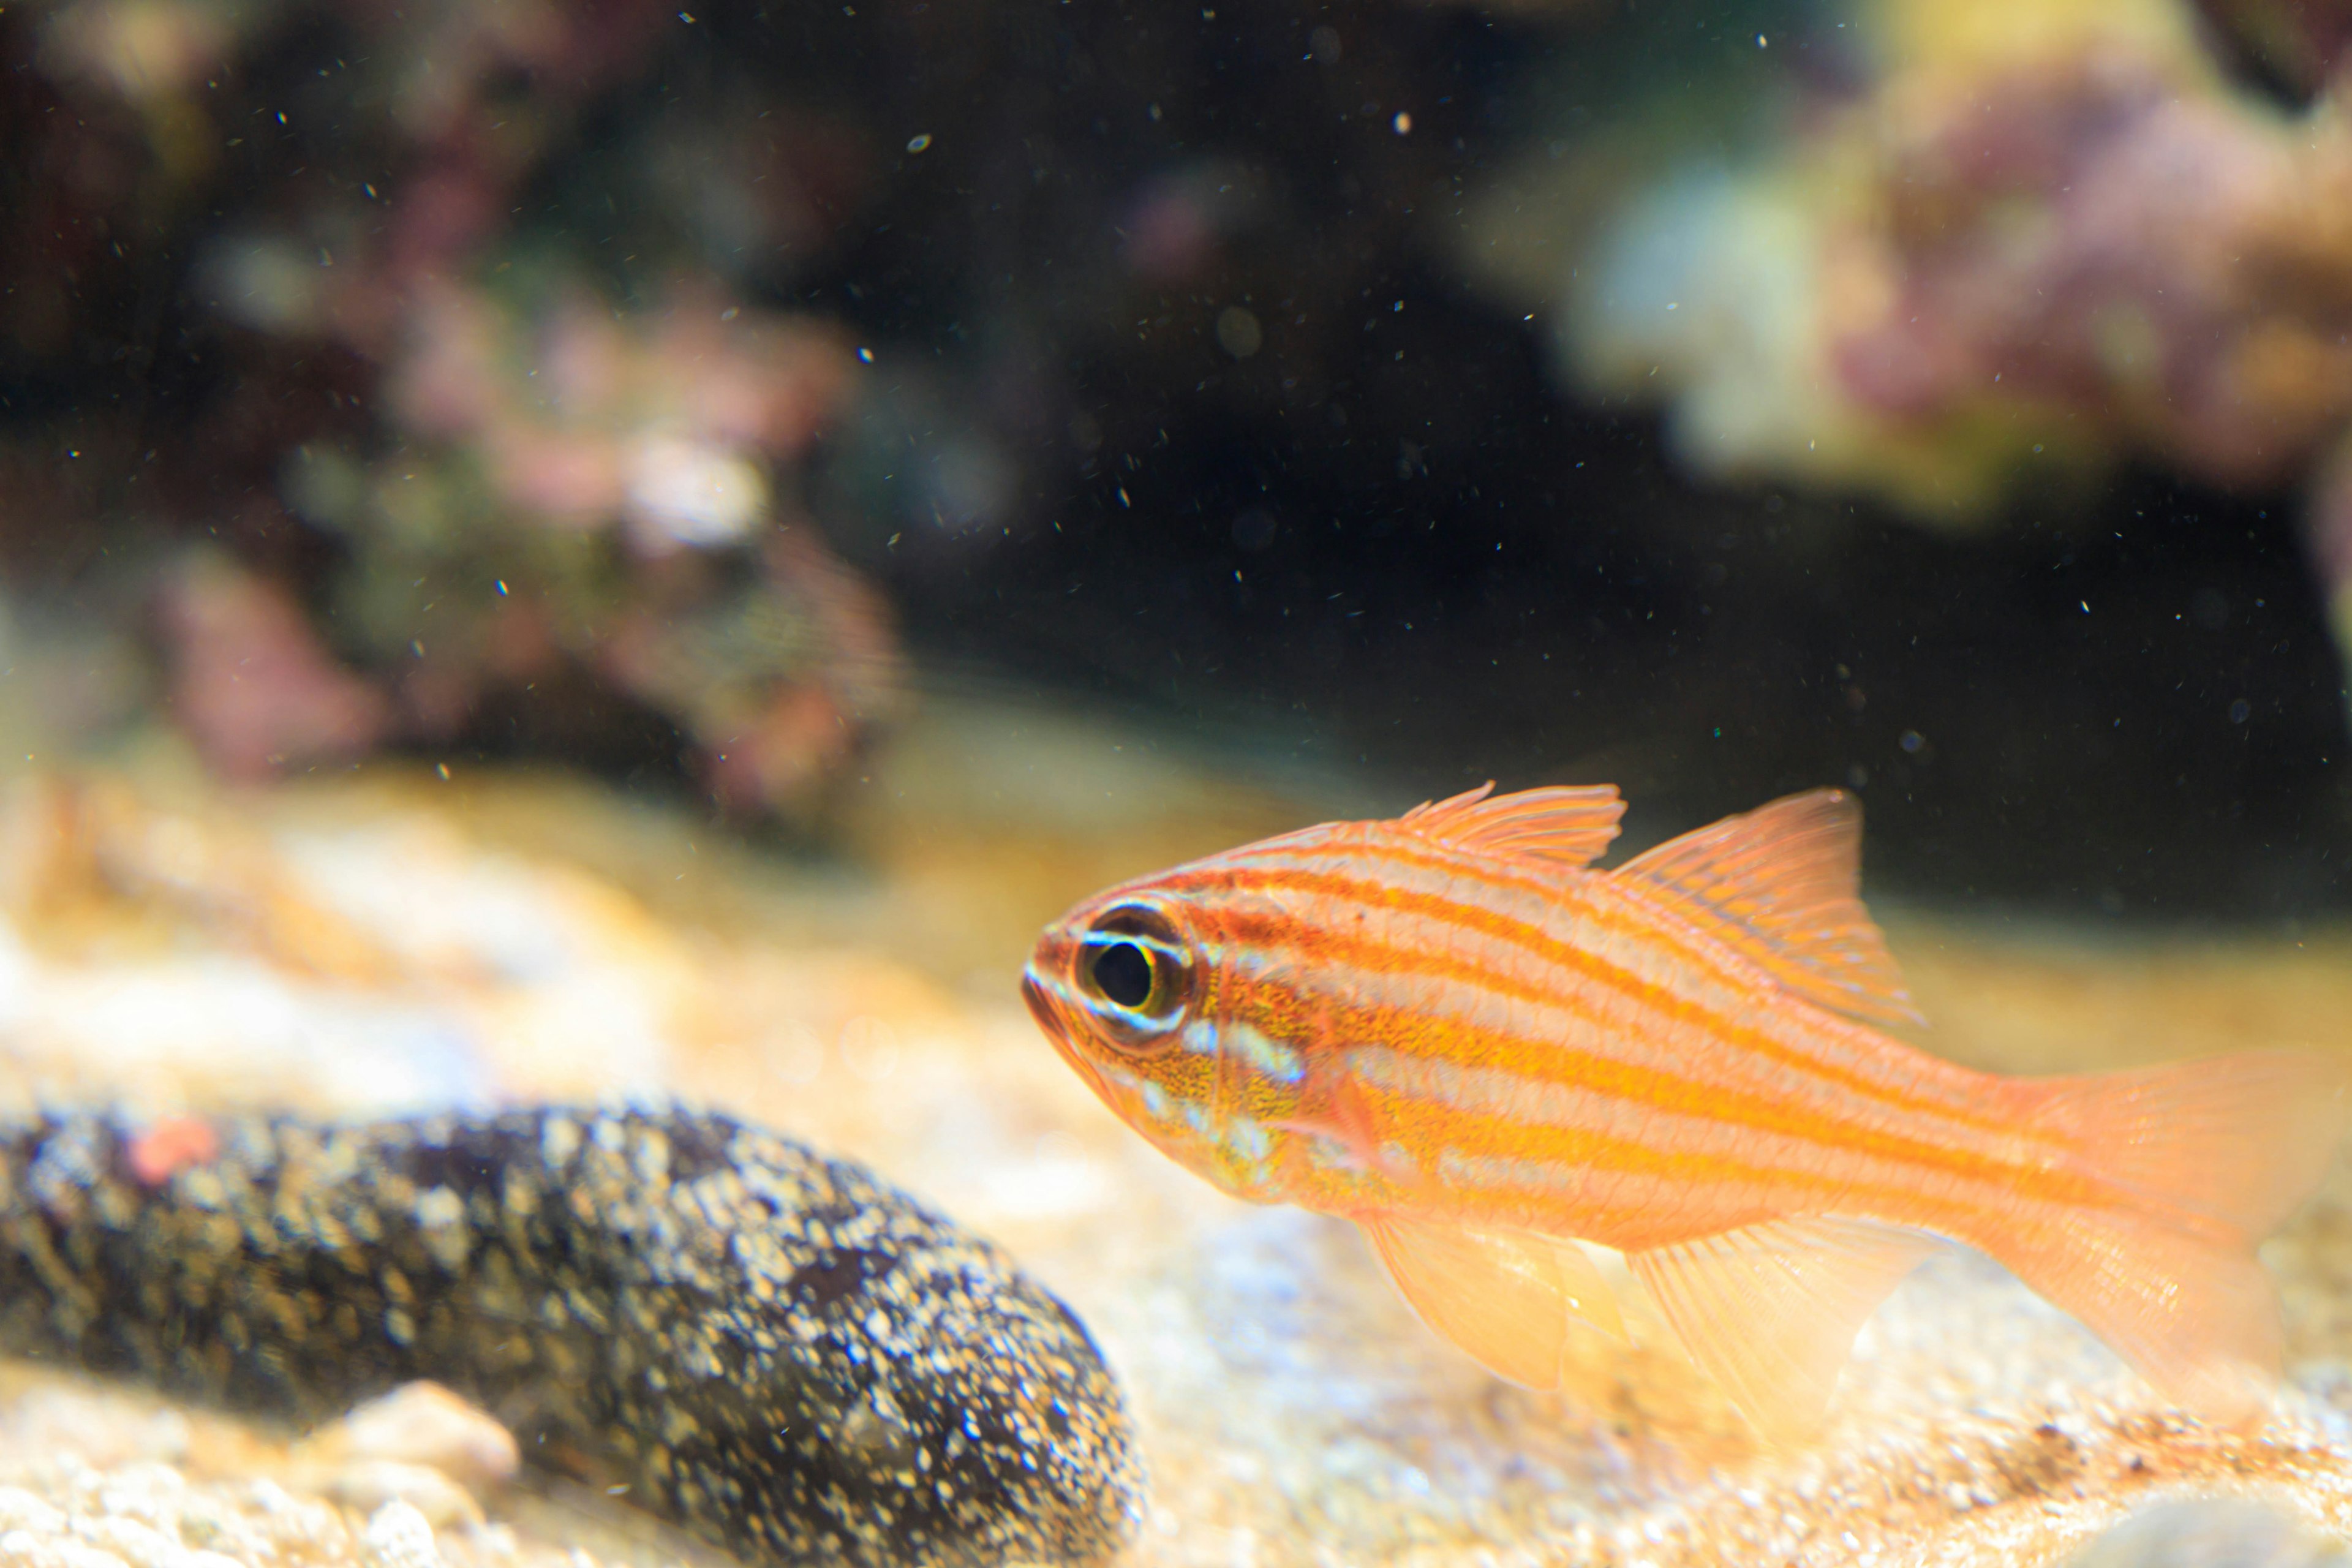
(398, 1536)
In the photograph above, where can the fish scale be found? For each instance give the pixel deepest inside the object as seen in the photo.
(1448, 1028)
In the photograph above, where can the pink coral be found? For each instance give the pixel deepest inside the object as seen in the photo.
(586, 419)
(2090, 234)
(251, 682)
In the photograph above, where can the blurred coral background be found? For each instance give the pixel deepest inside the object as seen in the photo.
(1950, 399)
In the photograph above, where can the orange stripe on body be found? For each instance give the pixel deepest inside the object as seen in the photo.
(1619, 1191)
(1643, 1179)
(1327, 944)
(1650, 1024)
(1852, 1068)
(1678, 1116)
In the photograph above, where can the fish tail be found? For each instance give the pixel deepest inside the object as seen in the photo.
(2193, 1164)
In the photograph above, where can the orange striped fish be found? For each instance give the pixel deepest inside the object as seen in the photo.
(1449, 1030)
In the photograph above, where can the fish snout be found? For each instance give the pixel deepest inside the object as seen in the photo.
(1054, 1022)
(1041, 1004)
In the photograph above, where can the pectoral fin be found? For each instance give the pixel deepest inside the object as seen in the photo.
(1504, 1297)
(1769, 1311)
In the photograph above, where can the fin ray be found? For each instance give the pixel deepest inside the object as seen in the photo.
(1504, 1298)
(1769, 1311)
(2200, 1321)
(1570, 824)
(1781, 885)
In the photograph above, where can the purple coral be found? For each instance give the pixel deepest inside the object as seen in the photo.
(250, 682)
(512, 479)
(2091, 236)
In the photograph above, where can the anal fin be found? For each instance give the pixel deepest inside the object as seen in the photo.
(1769, 1311)
(1504, 1298)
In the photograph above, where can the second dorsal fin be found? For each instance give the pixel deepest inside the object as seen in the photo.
(1780, 884)
(1568, 823)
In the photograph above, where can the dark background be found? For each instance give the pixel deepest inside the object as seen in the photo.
(1390, 537)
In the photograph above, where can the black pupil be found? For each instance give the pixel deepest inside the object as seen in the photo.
(1124, 973)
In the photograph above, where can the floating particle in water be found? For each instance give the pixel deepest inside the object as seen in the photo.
(1238, 332)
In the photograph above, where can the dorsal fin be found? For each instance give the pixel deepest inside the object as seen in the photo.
(1779, 884)
(1568, 823)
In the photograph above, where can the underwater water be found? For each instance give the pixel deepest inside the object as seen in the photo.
(557, 557)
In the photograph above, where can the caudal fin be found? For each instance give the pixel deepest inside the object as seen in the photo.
(2195, 1163)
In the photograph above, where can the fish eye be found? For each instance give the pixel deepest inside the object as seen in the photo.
(1137, 970)
(1123, 972)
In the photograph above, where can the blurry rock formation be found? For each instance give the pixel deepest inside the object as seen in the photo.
(1984, 249)
(497, 380)
(393, 460)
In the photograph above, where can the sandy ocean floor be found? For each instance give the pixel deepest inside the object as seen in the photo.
(394, 941)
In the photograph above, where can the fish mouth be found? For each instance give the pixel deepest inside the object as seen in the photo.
(1040, 1007)
(1055, 1026)
(1051, 1023)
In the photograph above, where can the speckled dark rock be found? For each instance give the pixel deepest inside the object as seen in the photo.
(774, 1348)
